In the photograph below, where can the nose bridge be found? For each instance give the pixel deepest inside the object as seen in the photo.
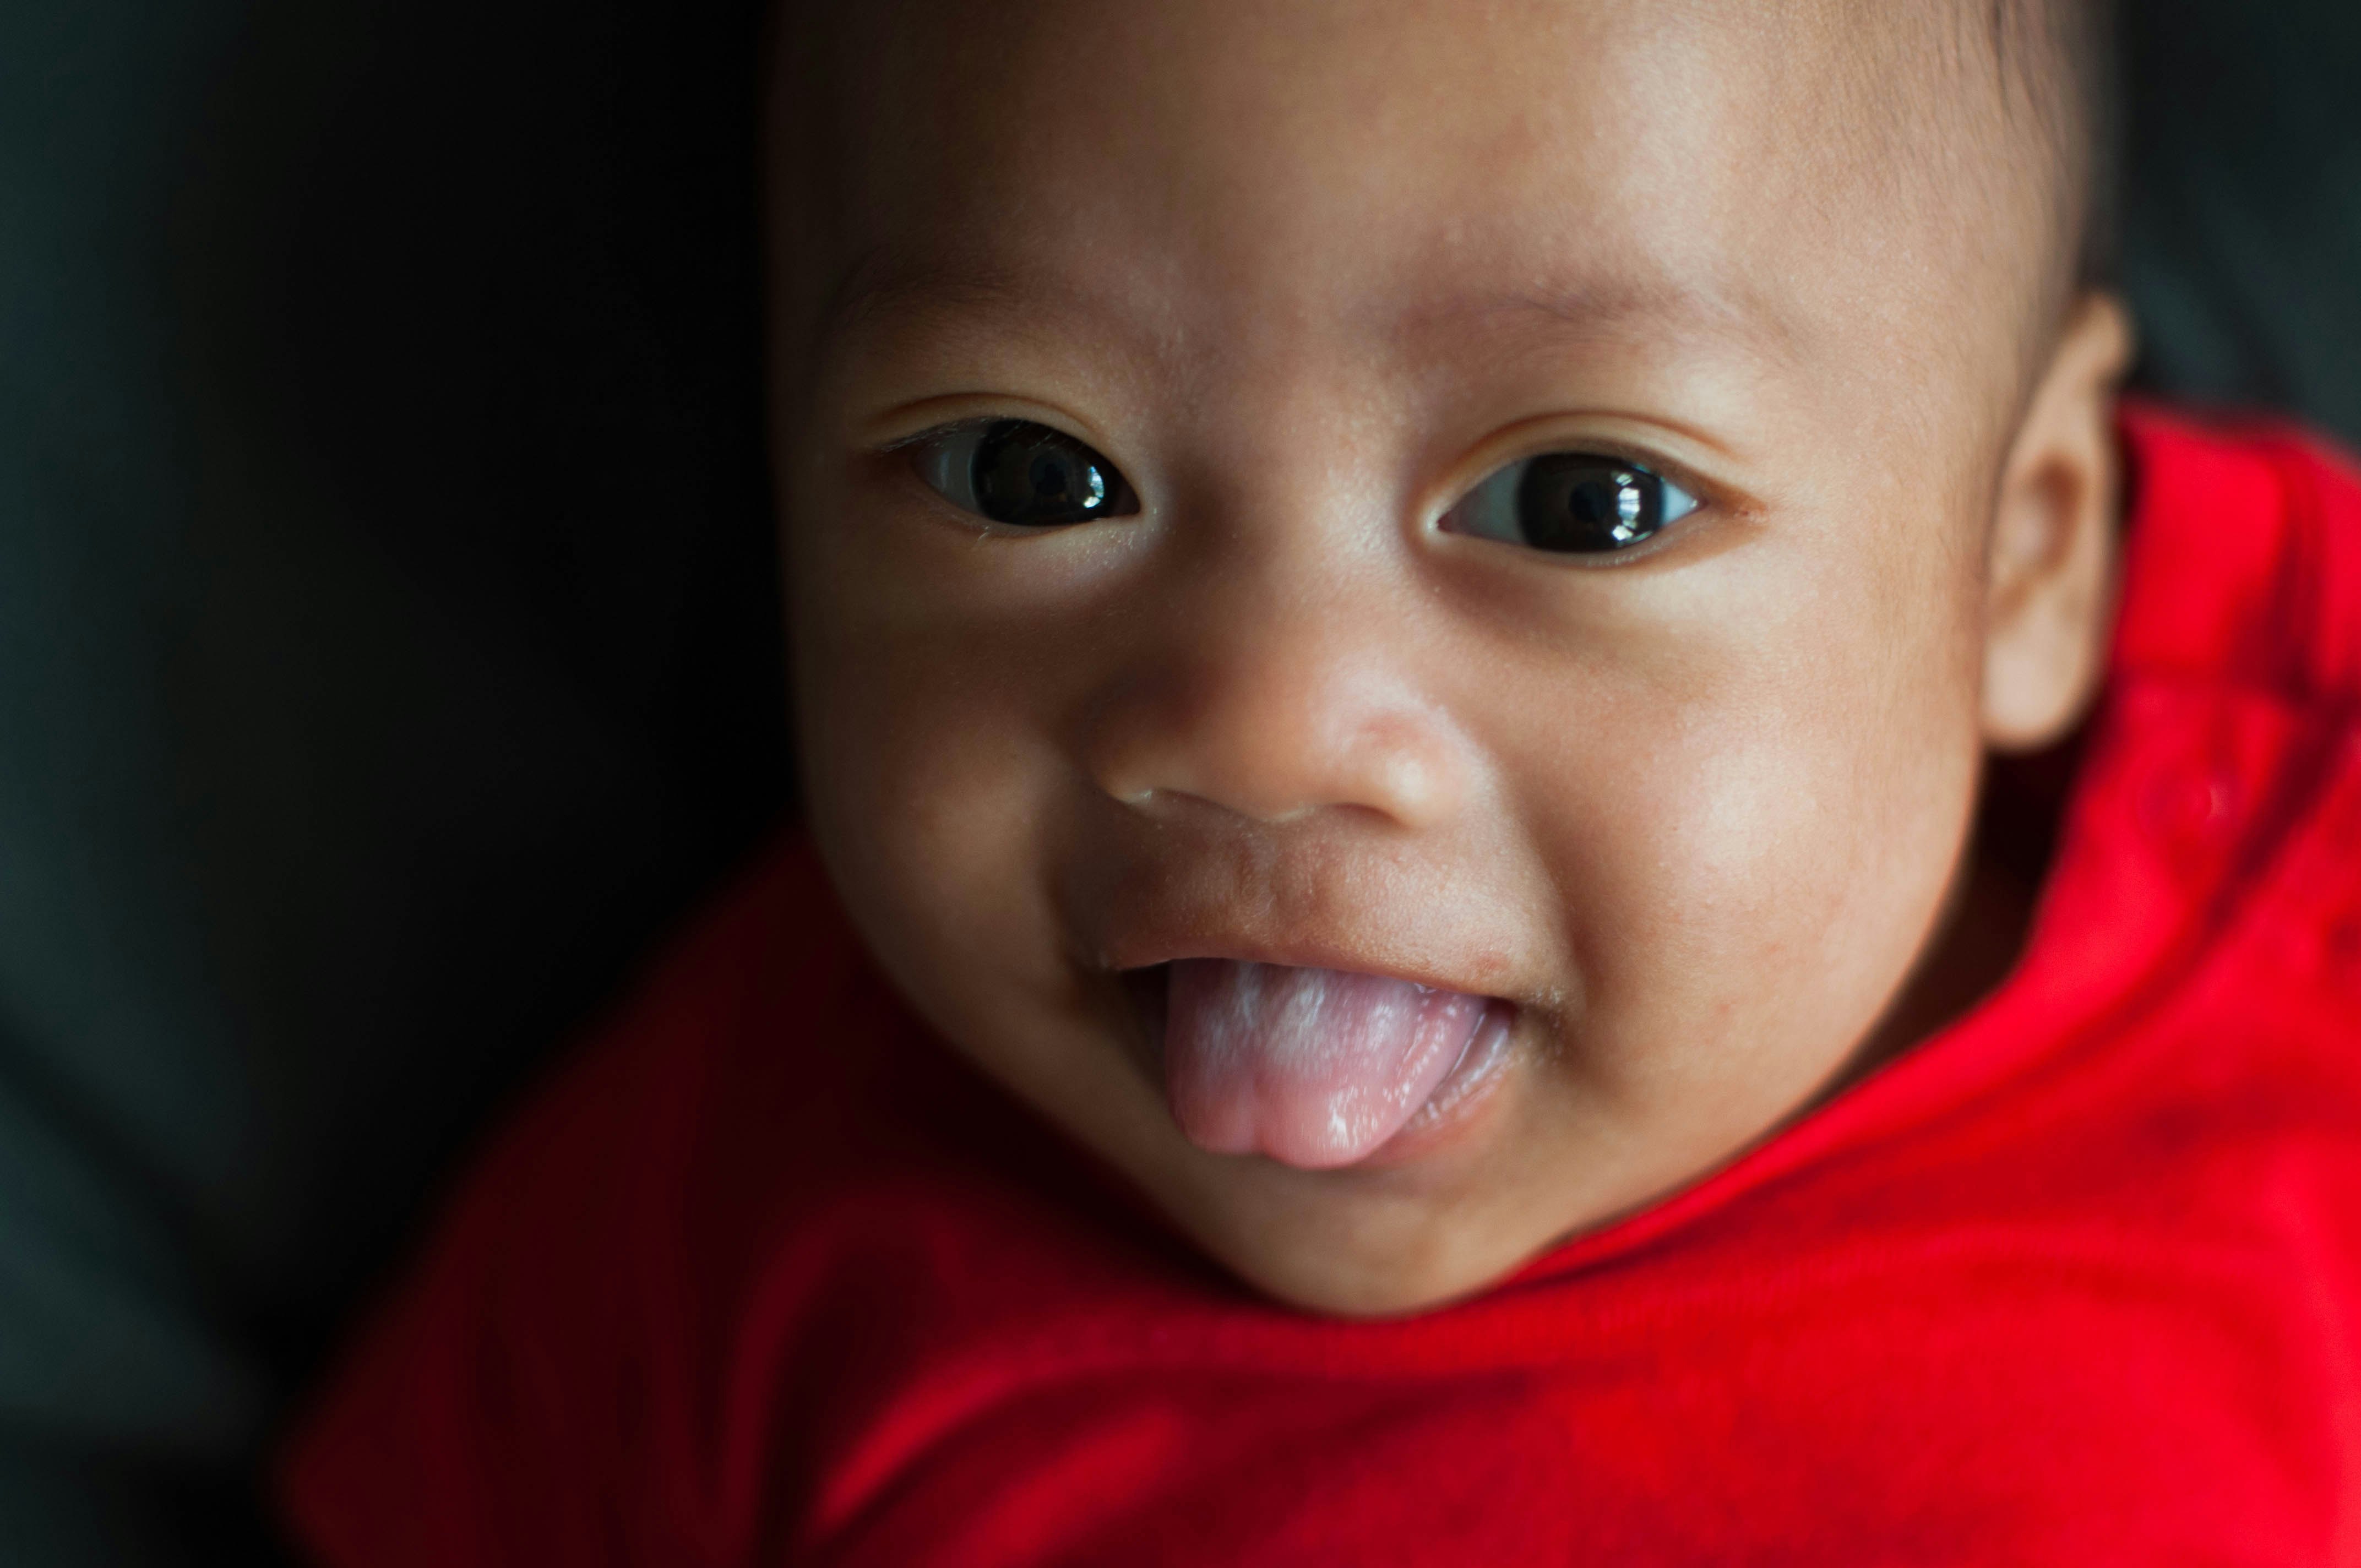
(1278, 677)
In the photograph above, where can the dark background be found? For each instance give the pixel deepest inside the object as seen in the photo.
(387, 642)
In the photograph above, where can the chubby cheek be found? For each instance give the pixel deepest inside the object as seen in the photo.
(1750, 840)
(932, 789)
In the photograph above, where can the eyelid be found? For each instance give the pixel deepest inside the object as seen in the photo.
(988, 411)
(937, 432)
(1541, 438)
(978, 409)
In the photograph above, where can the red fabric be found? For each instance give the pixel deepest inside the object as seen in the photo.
(2077, 1282)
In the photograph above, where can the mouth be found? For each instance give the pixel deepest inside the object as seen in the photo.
(1317, 1068)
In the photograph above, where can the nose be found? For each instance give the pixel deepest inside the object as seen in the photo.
(1272, 690)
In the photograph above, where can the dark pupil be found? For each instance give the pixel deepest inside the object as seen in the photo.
(1584, 505)
(1031, 475)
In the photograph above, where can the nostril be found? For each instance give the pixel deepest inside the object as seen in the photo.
(1398, 769)
(1412, 778)
(1274, 725)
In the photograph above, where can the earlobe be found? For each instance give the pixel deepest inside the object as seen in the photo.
(2050, 561)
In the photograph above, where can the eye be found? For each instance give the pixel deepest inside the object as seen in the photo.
(1571, 503)
(1024, 474)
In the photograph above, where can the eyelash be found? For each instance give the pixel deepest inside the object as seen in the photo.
(1597, 504)
(1578, 504)
(1018, 473)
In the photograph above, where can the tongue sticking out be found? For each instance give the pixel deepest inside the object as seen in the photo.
(1314, 1068)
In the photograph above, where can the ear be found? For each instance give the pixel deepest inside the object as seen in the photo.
(2050, 573)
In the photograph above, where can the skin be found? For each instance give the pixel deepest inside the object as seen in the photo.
(1305, 271)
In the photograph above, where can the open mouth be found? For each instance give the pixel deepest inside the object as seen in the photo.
(1313, 1067)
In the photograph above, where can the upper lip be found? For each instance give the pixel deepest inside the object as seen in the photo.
(1145, 948)
(1314, 900)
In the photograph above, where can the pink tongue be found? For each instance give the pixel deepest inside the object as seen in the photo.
(1315, 1068)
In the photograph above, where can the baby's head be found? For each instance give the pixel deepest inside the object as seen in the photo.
(1550, 500)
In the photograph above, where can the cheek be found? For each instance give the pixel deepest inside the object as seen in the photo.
(1752, 820)
(932, 782)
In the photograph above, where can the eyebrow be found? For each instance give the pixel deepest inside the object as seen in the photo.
(1619, 308)
(882, 278)
(887, 278)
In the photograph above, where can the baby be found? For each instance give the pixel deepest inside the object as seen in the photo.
(1398, 613)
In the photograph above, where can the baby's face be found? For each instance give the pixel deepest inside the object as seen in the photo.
(1492, 496)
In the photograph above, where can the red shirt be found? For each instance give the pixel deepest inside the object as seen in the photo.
(768, 1277)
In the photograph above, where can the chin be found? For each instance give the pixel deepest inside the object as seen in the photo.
(1418, 1226)
(1401, 1271)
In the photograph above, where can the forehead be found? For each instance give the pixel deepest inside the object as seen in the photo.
(1785, 174)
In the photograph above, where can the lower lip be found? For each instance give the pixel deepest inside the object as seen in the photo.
(1449, 1111)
